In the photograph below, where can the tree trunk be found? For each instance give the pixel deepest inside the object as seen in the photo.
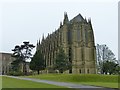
(61, 71)
(110, 73)
(25, 69)
(38, 72)
(106, 73)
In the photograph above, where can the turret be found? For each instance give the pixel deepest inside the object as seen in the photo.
(48, 35)
(43, 37)
(85, 20)
(66, 20)
(38, 44)
(89, 22)
(60, 24)
(90, 34)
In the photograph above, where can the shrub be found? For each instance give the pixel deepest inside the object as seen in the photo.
(14, 73)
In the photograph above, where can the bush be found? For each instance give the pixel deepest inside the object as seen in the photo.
(14, 73)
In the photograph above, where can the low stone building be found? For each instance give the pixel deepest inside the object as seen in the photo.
(5, 62)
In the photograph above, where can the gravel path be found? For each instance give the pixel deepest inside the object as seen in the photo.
(69, 85)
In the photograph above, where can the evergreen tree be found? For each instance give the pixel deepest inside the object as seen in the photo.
(62, 62)
(15, 65)
(22, 53)
(37, 63)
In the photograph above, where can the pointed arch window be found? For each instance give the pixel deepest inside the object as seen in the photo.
(69, 36)
(78, 35)
(88, 71)
(80, 70)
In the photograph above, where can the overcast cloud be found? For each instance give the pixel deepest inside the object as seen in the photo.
(27, 21)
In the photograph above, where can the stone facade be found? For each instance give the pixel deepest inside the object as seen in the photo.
(5, 62)
(76, 37)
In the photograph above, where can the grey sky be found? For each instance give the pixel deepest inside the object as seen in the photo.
(21, 21)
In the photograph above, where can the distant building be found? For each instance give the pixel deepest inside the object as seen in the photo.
(76, 37)
(5, 62)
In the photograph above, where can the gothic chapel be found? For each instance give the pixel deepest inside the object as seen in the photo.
(76, 37)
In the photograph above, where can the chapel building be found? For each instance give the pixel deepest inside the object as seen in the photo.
(76, 37)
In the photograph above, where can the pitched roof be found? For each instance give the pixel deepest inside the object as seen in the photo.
(78, 18)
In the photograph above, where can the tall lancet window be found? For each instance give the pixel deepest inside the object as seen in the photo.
(69, 36)
(86, 36)
(78, 35)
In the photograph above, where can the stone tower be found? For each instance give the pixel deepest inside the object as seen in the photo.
(77, 39)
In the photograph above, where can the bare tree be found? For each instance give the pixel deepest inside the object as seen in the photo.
(104, 54)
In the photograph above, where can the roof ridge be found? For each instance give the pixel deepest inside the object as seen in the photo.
(77, 18)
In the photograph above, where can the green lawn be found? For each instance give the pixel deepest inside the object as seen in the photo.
(103, 84)
(0, 82)
(17, 83)
(89, 79)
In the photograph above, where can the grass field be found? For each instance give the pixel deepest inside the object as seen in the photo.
(17, 83)
(0, 82)
(89, 79)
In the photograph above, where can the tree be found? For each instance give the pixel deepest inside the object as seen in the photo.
(104, 54)
(23, 52)
(117, 71)
(61, 62)
(109, 67)
(15, 65)
(37, 63)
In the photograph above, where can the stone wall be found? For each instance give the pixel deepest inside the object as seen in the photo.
(5, 62)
